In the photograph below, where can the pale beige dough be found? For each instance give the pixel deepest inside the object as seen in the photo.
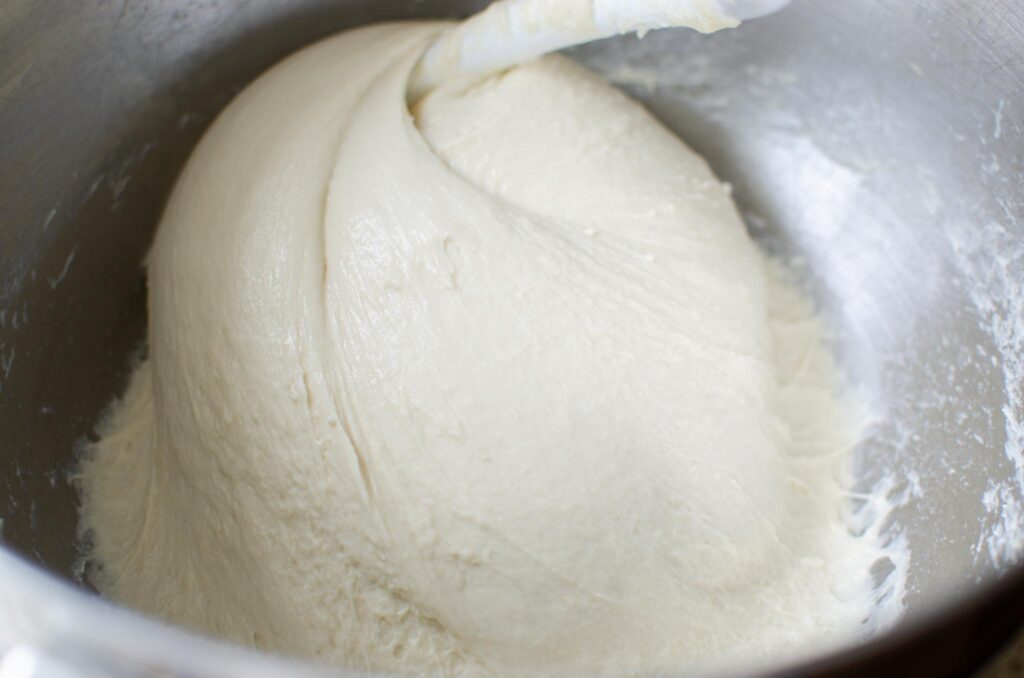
(502, 388)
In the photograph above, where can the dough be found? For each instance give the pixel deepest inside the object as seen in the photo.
(502, 388)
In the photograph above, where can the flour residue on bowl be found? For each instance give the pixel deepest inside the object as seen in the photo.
(992, 264)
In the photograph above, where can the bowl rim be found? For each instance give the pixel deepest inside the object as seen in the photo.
(67, 623)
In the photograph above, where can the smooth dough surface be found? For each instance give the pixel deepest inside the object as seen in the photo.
(502, 387)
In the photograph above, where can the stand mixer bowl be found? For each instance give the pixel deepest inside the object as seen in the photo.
(877, 147)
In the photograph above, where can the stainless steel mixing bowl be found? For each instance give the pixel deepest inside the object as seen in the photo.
(876, 145)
